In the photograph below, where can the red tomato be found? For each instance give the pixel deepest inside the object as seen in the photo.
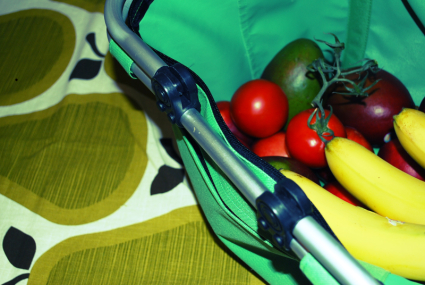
(224, 108)
(304, 143)
(274, 145)
(354, 135)
(338, 190)
(394, 153)
(259, 108)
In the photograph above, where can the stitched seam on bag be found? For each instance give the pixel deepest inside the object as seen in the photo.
(244, 33)
(217, 179)
(246, 219)
(137, 11)
(357, 33)
(219, 183)
(214, 192)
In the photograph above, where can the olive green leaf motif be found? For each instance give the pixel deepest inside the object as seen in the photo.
(89, 5)
(31, 61)
(176, 248)
(77, 161)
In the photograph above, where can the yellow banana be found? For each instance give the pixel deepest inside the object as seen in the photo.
(409, 126)
(382, 187)
(389, 244)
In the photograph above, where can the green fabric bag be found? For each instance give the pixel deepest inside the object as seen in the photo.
(228, 43)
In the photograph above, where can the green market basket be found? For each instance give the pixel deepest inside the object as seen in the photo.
(213, 47)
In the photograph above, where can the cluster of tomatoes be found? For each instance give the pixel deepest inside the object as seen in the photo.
(257, 115)
(272, 116)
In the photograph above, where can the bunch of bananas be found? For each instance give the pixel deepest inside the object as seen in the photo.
(392, 235)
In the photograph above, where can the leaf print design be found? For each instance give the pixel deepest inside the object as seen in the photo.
(17, 279)
(166, 179)
(167, 144)
(77, 161)
(28, 72)
(116, 72)
(89, 5)
(175, 248)
(86, 69)
(91, 39)
(19, 248)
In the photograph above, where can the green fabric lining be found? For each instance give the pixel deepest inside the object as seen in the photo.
(238, 236)
(315, 271)
(397, 280)
(376, 271)
(357, 32)
(274, 268)
(234, 201)
(228, 50)
(227, 192)
(122, 57)
(419, 7)
(320, 276)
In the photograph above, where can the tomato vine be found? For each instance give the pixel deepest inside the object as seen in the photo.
(333, 73)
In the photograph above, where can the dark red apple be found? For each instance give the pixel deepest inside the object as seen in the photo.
(394, 154)
(274, 145)
(371, 115)
(224, 108)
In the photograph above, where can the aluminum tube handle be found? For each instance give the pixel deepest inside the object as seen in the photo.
(149, 62)
(143, 56)
(331, 254)
(243, 178)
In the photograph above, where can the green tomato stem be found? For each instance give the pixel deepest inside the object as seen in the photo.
(336, 75)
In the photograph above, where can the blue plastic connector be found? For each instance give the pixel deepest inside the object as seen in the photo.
(176, 91)
(279, 212)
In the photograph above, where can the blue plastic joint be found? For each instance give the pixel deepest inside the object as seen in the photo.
(279, 212)
(176, 91)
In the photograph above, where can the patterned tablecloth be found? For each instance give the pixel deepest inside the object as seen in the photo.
(92, 188)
